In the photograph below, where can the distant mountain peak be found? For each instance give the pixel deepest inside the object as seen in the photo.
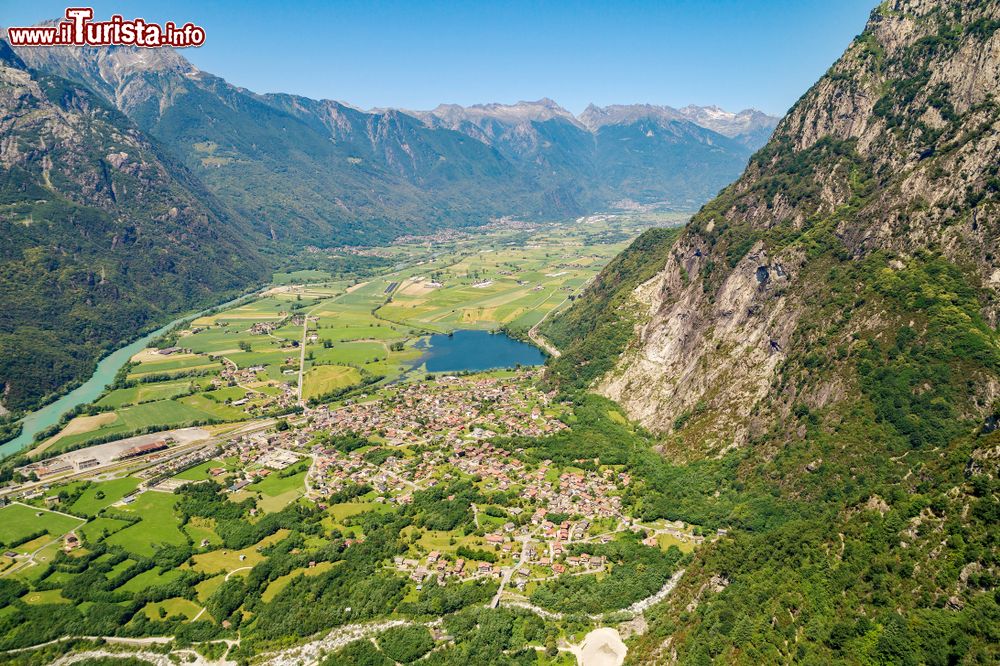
(729, 123)
(750, 126)
(594, 117)
(451, 115)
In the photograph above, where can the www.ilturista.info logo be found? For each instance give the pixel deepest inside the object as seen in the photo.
(79, 30)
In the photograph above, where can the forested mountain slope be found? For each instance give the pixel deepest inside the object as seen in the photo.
(290, 178)
(323, 172)
(103, 234)
(885, 170)
(819, 354)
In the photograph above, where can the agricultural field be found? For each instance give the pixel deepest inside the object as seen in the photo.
(98, 496)
(157, 525)
(227, 561)
(134, 419)
(200, 472)
(147, 393)
(19, 521)
(345, 335)
(322, 379)
(101, 528)
(172, 607)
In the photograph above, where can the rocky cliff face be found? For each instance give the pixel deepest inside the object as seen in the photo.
(819, 358)
(883, 176)
(128, 77)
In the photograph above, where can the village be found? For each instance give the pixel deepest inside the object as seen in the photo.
(535, 520)
(417, 436)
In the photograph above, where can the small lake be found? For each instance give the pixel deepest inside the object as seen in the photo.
(475, 351)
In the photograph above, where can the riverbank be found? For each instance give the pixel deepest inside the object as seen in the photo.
(90, 390)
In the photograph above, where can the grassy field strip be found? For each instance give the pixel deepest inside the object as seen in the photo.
(302, 348)
(18, 520)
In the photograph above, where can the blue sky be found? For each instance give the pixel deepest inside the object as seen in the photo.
(734, 53)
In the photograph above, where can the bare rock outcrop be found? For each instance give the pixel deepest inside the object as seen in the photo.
(892, 155)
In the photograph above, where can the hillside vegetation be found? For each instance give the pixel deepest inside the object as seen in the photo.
(598, 328)
(819, 357)
(104, 234)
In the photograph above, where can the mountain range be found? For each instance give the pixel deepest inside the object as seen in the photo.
(813, 362)
(328, 173)
(818, 355)
(214, 183)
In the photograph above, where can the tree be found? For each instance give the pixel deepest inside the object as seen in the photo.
(551, 646)
(406, 644)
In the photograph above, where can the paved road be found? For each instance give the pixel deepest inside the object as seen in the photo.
(302, 352)
(504, 579)
(508, 573)
(537, 337)
(228, 575)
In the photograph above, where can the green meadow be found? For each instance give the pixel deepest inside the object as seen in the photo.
(171, 608)
(18, 521)
(145, 393)
(176, 412)
(321, 379)
(157, 525)
(100, 495)
(101, 528)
